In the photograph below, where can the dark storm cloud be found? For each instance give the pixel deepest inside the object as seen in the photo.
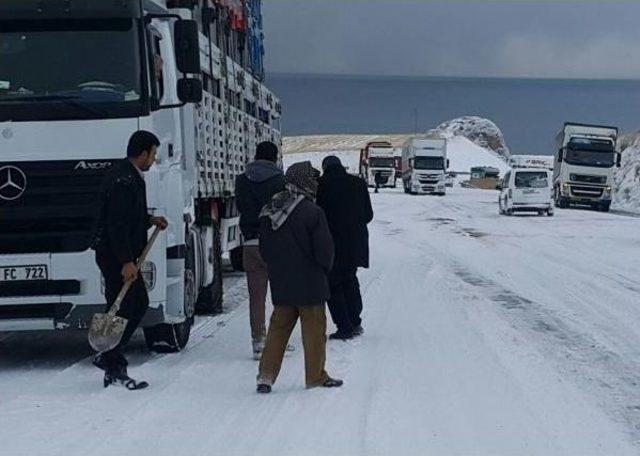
(590, 39)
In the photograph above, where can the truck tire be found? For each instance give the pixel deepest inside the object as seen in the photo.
(210, 299)
(171, 338)
(236, 259)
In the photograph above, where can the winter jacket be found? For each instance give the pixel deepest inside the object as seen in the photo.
(123, 219)
(299, 256)
(254, 189)
(347, 205)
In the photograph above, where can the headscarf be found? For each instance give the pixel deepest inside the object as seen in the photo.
(301, 183)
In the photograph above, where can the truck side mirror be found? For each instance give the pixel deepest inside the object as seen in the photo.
(187, 46)
(619, 159)
(190, 90)
(560, 156)
(448, 162)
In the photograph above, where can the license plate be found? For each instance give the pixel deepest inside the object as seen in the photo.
(23, 273)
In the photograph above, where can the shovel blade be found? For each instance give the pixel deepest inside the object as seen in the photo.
(106, 331)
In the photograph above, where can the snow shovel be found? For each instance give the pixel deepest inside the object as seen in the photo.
(106, 329)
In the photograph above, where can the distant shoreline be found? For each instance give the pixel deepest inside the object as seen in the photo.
(440, 78)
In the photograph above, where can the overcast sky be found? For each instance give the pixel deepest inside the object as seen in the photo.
(573, 39)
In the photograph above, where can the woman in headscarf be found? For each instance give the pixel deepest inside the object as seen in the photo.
(296, 244)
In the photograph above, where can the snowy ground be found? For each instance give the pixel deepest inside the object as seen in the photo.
(485, 335)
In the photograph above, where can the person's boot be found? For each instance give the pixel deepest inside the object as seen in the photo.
(341, 335)
(263, 388)
(332, 383)
(120, 377)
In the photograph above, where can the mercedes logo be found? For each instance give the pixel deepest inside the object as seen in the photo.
(13, 183)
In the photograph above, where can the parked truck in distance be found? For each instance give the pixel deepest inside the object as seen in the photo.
(424, 166)
(377, 164)
(584, 165)
(188, 71)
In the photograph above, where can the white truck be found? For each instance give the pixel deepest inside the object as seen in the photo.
(77, 78)
(424, 166)
(377, 163)
(584, 165)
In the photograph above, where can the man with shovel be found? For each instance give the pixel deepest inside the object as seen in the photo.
(121, 237)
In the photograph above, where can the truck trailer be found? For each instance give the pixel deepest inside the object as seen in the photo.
(585, 165)
(377, 164)
(77, 78)
(424, 166)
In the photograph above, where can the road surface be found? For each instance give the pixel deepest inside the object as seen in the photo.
(484, 335)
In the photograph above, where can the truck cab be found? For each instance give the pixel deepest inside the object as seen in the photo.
(77, 78)
(377, 164)
(585, 165)
(424, 166)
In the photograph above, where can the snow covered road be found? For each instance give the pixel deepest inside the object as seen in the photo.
(484, 335)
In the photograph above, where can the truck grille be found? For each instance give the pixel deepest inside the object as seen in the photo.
(57, 210)
(589, 179)
(587, 192)
(39, 288)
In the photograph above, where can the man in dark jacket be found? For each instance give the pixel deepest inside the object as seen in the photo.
(254, 189)
(121, 236)
(296, 244)
(346, 203)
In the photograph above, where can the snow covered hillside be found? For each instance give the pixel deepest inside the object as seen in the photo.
(626, 192)
(481, 131)
(463, 154)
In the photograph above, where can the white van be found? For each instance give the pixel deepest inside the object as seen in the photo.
(526, 190)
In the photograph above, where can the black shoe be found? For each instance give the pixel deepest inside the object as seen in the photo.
(341, 335)
(332, 383)
(263, 388)
(126, 381)
(358, 331)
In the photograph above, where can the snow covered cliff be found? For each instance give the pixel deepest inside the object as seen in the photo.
(626, 191)
(480, 131)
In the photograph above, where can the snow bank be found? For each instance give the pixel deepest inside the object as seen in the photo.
(480, 131)
(626, 190)
(462, 153)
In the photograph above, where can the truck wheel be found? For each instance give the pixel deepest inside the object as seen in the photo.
(210, 299)
(171, 338)
(550, 213)
(236, 259)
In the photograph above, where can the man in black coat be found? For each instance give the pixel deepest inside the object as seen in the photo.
(296, 244)
(254, 189)
(347, 205)
(120, 238)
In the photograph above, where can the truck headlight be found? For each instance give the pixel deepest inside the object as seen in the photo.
(148, 271)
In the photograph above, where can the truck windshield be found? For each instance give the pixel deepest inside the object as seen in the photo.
(605, 159)
(69, 69)
(530, 179)
(435, 163)
(382, 162)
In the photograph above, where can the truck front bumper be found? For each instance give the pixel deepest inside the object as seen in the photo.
(73, 292)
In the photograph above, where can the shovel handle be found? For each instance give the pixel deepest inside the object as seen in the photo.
(125, 288)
